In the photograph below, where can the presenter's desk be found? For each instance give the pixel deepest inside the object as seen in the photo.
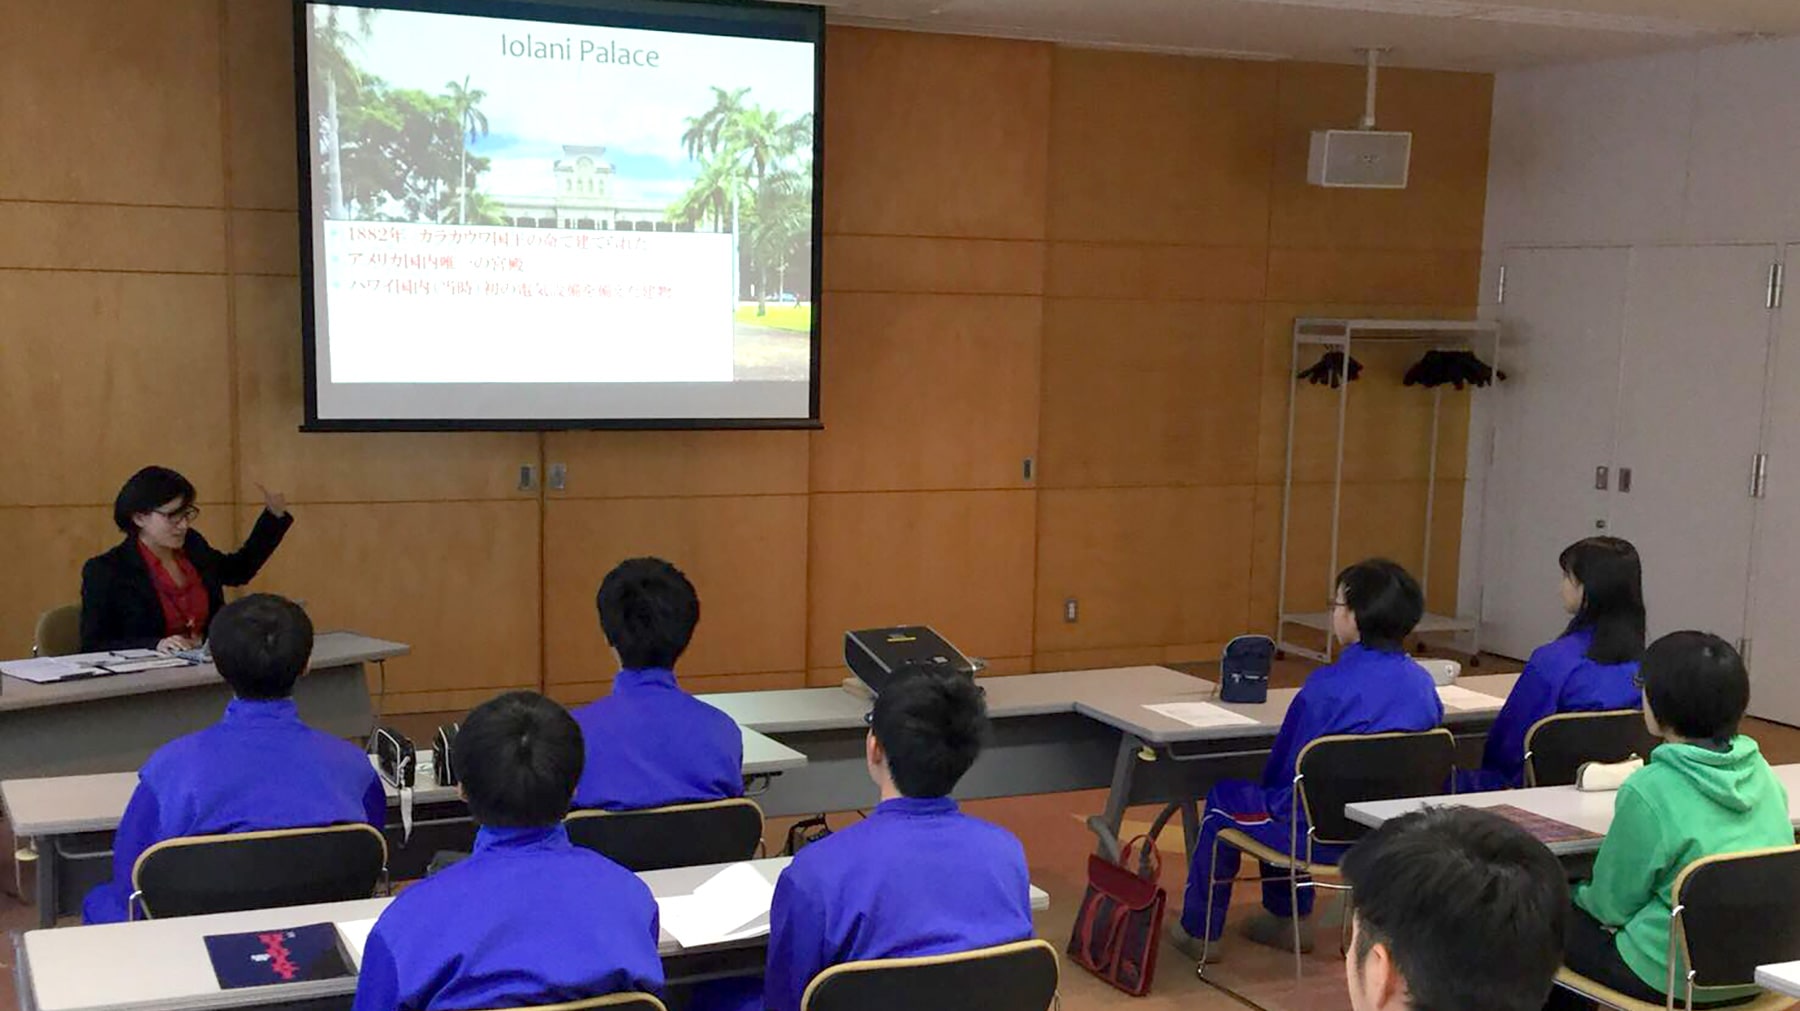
(1059, 732)
(113, 723)
(162, 965)
(53, 811)
(1591, 811)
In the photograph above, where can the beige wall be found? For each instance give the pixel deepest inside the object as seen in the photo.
(1091, 259)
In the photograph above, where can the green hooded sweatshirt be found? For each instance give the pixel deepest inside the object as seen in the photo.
(1688, 802)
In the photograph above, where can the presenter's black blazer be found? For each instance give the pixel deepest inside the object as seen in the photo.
(119, 606)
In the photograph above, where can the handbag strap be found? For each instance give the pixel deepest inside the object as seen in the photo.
(1149, 859)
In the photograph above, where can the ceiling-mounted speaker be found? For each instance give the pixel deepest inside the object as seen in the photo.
(1360, 159)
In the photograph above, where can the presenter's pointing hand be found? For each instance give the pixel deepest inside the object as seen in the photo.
(273, 501)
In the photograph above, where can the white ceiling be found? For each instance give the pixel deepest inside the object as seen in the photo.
(1448, 34)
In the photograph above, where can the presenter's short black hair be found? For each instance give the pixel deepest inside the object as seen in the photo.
(147, 491)
(931, 720)
(1696, 686)
(648, 610)
(1386, 600)
(520, 757)
(1471, 908)
(261, 645)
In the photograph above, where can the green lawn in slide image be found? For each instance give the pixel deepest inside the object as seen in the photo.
(797, 318)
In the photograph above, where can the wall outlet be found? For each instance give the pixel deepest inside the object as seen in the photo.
(1071, 610)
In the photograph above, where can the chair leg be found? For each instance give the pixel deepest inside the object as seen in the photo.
(1212, 884)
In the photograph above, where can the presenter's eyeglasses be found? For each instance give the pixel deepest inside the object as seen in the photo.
(186, 514)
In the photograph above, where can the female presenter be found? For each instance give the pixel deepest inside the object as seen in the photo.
(161, 586)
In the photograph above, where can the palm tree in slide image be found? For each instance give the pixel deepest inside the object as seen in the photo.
(474, 125)
(333, 38)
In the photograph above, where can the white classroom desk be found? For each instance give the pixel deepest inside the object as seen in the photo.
(162, 965)
(1592, 811)
(1054, 732)
(113, 723)
(51, 808)
(1783, 977)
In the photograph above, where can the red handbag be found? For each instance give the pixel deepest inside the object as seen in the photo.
(1119, 927)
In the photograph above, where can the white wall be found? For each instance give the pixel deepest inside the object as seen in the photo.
(1680, 148)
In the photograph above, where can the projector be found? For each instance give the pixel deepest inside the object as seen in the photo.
(1359, 159)
(874, 654)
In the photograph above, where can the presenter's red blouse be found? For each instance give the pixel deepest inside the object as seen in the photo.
(185, 608)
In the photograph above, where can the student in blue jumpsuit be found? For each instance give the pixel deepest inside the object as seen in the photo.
(1373, 688)
(258, 768)
(1591, 667)
(529, 918)
(650, 744)
(917, 876)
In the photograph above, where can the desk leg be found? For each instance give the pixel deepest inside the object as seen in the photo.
(1106, 825)
(46, 881)
(1190, 825)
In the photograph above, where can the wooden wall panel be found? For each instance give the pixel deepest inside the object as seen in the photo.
(927, 392)
(347, 467)
(1147, 566)
(48, 546)
(111, 101)
(259, 67)
(1131, 270)
(960, 562)
(1380, 519)
(746, 556)
(265, 242)
(1378, 276)
(935, 135)
(456, 580)
(904, 263)
(1149, 393)
(1161, 148)
(103, 373)
(671, 464)
(58, 236)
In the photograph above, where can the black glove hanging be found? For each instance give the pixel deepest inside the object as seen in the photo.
(1460, 369)
(1330, 370)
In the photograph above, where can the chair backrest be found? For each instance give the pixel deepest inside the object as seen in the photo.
(680, 835)
(1341, 769)
(1558, 745)
(193, 875)
(628, 1001)
(1021, 976)
(58, 631)
(1736, 911)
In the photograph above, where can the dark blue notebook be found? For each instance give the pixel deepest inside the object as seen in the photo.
(282, 955)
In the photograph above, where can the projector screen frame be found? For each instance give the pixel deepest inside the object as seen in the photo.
(706, 17)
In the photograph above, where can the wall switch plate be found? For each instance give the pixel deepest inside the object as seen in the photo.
(1071, 610)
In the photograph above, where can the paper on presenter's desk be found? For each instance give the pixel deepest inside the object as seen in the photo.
(48, 669)
(1201, 714)
(730, 906)
(1462, 698)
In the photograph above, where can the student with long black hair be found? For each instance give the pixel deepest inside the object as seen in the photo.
(1591, 667)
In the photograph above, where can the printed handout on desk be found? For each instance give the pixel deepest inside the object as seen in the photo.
(1462, 698)
(355, 935)
(730, 906)
(45, 670)
(1201, 714)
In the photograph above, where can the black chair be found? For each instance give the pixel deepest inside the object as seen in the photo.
(629, 1001)
(200, 874)
(1731, 913)
(1021, 976)
(680, 835)
(1557, 746)
(1332, 772)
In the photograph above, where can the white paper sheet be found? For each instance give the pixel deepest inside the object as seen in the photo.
(1462, 698)
(730, 906)
(355, 935)
(135, 666)
(1201, 714)
(47, 669)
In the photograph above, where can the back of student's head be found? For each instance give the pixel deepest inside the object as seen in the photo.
(648, 610)
(519, 756)
(1612, 596)
(1386, 600)
(931, 721)
(261, 645)
(1470, 907)
(1696, 686)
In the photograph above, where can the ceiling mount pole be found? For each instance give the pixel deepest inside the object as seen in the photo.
(1372, 61)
